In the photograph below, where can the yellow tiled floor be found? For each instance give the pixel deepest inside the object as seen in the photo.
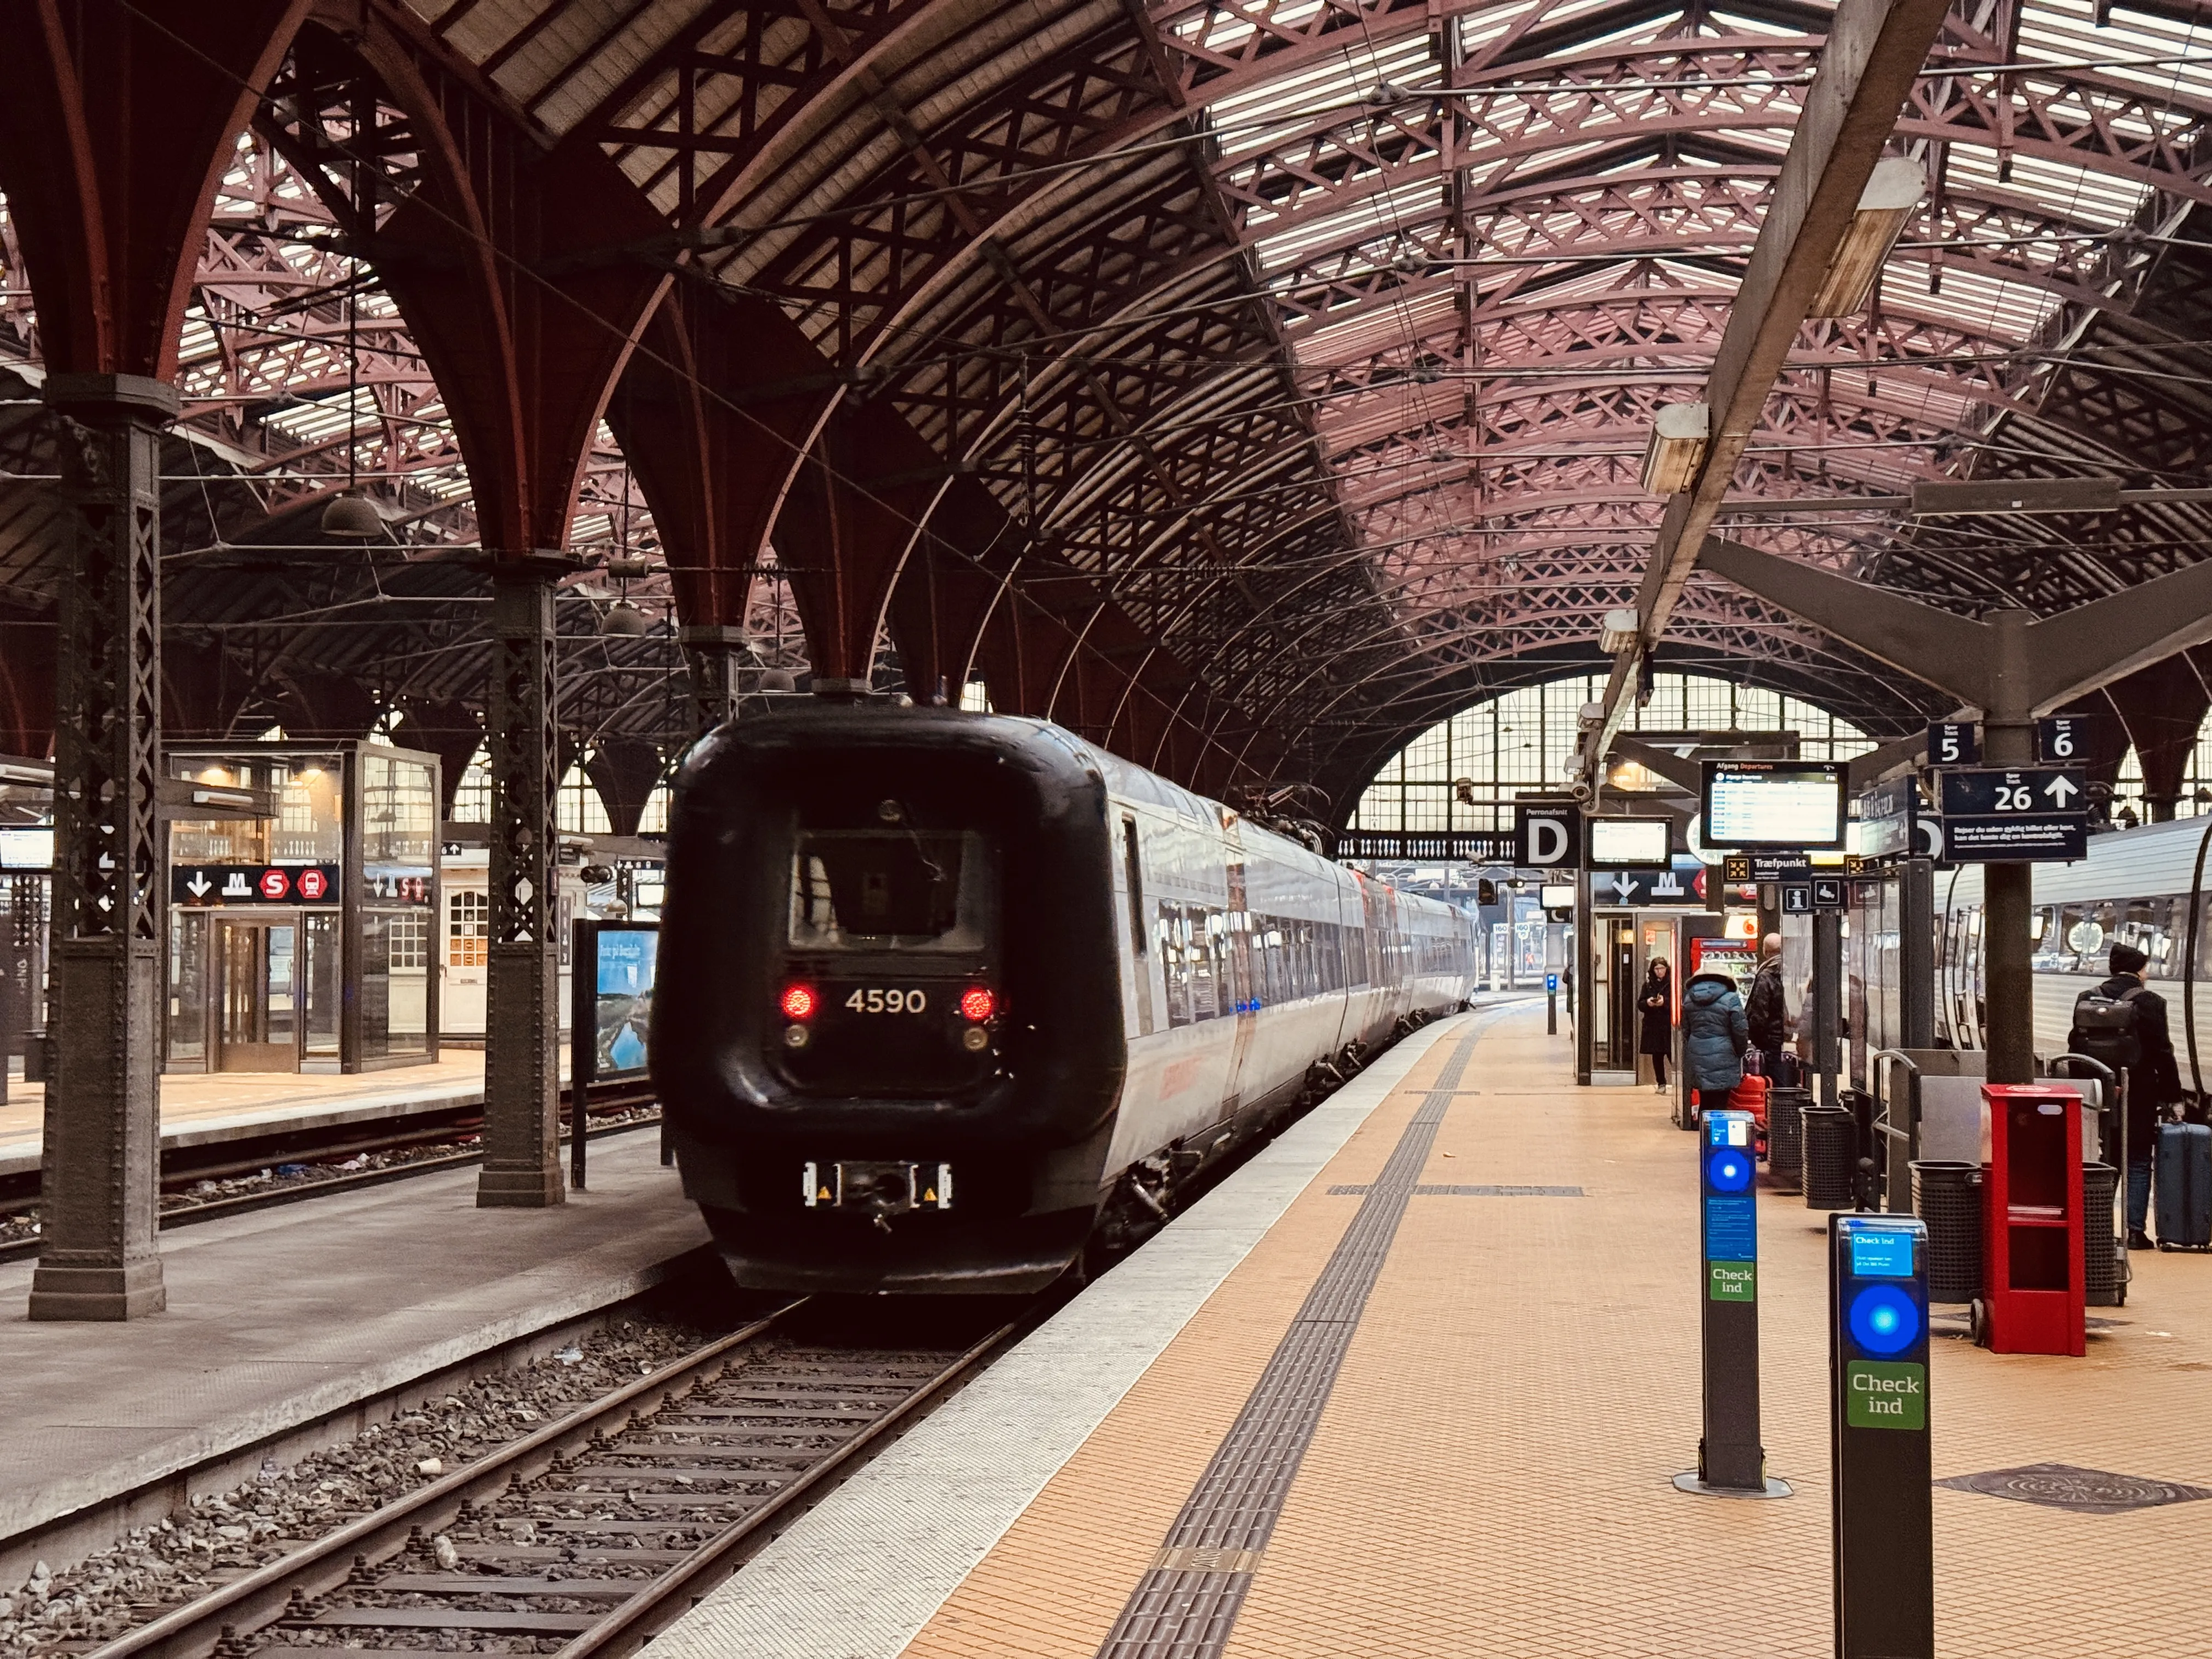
(1492, 1475)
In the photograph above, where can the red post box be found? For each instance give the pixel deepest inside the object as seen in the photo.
(2032, 1222)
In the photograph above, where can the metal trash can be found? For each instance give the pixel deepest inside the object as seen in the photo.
(1832, 1157)
(1786, 1136)
(2101, 1283)
(1948, 1196)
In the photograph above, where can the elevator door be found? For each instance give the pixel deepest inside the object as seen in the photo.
(258, 1013)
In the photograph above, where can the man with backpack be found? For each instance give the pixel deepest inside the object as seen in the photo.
(2124, 1025)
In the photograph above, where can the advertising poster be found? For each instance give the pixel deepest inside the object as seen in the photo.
(623, 1000)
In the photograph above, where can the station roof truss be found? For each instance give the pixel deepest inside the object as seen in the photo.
(1294, 356)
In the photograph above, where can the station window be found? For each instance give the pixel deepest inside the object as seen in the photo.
(408, 942)
(468, 929)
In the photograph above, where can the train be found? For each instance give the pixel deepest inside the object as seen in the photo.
(947, 1001)
(2137, 887)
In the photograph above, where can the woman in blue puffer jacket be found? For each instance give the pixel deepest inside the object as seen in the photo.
(1715, 1034)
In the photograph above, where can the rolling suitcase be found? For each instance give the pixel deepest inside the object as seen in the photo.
(2182, 1185)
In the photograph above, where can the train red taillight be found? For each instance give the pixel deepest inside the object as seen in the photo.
(800, 1002)
(977, 1003)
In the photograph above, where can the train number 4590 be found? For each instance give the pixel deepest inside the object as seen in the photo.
(875, 999)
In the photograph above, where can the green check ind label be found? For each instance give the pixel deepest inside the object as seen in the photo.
(1885, 1394)
(1732, 1281)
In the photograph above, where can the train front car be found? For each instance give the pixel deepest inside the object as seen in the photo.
(887, 1032)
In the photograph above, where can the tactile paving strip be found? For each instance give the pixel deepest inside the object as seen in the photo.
(1187, 1604)
(2087, 1492)
(1471, 1192)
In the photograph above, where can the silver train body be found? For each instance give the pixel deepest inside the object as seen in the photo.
(2137, 887)
(1082, 986)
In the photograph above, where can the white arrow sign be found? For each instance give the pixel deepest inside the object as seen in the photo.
(1625, 885)
(2061, 789)
(198, 886)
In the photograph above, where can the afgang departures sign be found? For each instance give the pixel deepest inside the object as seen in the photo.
(1546, 837)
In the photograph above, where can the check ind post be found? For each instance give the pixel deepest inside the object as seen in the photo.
(1731, 1462)
(1884, 1514)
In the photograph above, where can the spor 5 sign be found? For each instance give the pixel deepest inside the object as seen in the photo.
(1546, 837)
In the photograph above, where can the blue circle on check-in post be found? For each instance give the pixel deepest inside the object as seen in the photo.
(1884, 1319)
(1729, 1169)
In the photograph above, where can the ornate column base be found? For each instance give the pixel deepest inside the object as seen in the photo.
(59, 1291)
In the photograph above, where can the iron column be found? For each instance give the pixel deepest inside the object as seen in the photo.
(2008, 739)
(103, 1132)
(521, 1165)
(1827, 997)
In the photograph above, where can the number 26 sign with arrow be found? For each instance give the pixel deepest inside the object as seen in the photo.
(1996, 814)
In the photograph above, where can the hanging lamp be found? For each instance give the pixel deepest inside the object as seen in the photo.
(351, 516)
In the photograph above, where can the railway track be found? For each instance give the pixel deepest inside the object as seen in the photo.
(602, 1528)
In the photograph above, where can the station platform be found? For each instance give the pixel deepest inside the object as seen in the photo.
(205, 1108)
(284, 1316)
(1498, 1395)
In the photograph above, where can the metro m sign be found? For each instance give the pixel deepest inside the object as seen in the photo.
(1546, 837)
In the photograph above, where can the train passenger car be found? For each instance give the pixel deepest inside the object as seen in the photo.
(942, 994)
(2137, 887)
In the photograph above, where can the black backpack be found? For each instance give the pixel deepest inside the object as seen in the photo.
(2106, 1028)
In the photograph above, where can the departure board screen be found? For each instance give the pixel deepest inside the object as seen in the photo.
(1763, 804)
(1630, 843)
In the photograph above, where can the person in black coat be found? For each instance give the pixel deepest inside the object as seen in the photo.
(2153, 1081)
(1766, 1010)
(1655, 1005)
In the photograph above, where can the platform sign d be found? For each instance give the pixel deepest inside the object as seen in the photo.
(1546, 837)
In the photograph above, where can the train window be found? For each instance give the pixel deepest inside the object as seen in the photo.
(1134, 872)
(870, 890)
(1203, 952)
(1175, 967)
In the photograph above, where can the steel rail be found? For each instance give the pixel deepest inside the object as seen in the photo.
(197, 1628)
(223, 1622)
(652, 1610)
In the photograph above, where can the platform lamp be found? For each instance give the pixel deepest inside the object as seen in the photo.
(1677, 447)
(1891, 193)
(624, 620)
(351, 516)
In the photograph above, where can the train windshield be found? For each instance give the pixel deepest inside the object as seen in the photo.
(889, 890)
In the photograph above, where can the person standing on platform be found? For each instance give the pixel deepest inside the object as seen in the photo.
(1714, 1038)
(1655, 1004)
(1767, 1014)
(2124, 1025)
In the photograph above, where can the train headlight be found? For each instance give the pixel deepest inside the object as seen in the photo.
(975, 1039)
(795, 1037)
(799, 1003)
